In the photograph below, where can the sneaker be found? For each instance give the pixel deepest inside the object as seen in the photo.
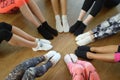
(42, 41)
(55, 58)
(50, 54)
(42, 46)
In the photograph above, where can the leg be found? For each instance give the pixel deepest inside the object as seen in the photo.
(76, 70)
(105, 49)
(64, 15)
(86, 6)
(35, 72)
(96, 8)
(35, 9)
(23, 34)
(19, 41)
(19, 70)
(94, 11)
(55, 5)
(108, 57)
(29, 15)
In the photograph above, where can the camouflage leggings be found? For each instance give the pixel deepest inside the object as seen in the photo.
(109, 27)
(27, 70)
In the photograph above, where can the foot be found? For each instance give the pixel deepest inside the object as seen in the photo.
(67, 59)
(82, 54)
(80, 30)
(84, 41)
(50, 29)
(75, 26)
(55, 59)
(59, 26)
(45, 33)
(42, 46)
(74, 57)
(42, 41)
(83, 48)
(65, 23)
(82, 36)
(50, 54)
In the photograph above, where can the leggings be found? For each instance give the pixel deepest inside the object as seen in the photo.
(7, 5)
(98, 4)
(109, 27)
(27, 70)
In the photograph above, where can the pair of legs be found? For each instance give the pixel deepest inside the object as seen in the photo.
(18, 37)
(80, 25)
(28, 70)
(64, 26)
(80, 70)
(108, 53)
(108, 27)
(31, 12)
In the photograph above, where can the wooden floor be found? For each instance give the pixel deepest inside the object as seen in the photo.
(10, 56)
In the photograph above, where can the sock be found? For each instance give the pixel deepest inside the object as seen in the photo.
(84, 41)
(58, 24)
(82, 54)
(49, 28)
(83, 48)
(82, 36)
(45, 33)
(75, 26)
(80, 30)
(65, 23)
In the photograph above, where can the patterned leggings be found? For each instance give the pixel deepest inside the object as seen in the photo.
(109, 27)
(27, 70)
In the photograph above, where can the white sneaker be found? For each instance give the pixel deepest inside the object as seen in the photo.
(42, 41)
(82, 36)
(42, 46)
(50, 54)
(84, 41)
(55, 58)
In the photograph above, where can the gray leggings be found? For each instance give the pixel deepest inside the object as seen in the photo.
(109, 27)
(27, 70)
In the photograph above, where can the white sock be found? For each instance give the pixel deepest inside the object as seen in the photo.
(84, 41)
(67, 59)
(58, 24)
(66, 26)
(82, 36)
(42, 46)
(42, 40)
(55, 58)
(74, 57)
(50, 54)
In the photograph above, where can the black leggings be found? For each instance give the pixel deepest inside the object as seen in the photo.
(5, 31)
(98, 5)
